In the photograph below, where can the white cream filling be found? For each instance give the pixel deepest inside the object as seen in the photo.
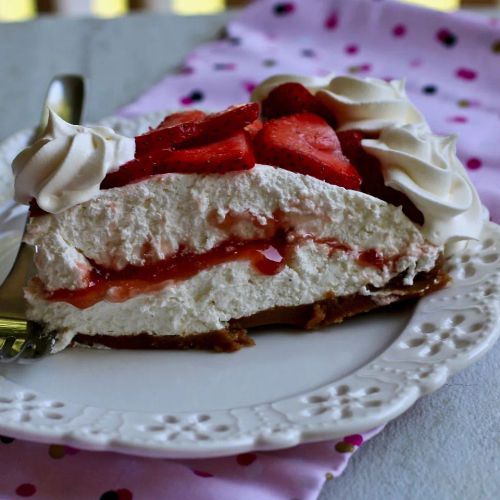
(152, 219)
(207, 301)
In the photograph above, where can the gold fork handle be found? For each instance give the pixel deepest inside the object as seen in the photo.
(12, 304)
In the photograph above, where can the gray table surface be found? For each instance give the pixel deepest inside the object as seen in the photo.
(447, 446)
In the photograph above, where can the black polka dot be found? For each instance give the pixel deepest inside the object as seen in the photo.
(269, 62)
(447, 38)
(6, 440)
(196, 95)
(110, 495)
(429, 89)
(281, 9)
(308, 52)
(234, 40)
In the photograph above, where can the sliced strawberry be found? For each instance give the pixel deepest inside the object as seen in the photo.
(306, 144)
(212, 128)
(254, 128)
(371, 173)
(189, 116)
(164, 138)
(233, 153)
(218, 126)
(131, 171)
(292, 98)
(350, 142)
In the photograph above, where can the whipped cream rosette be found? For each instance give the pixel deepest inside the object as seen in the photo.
(368, 104)
(65, 166)
(425, 167)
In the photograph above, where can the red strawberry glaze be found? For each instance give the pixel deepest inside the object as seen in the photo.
(373, 258)
(267, 256)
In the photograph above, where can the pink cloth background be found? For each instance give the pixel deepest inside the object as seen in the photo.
(452, 67)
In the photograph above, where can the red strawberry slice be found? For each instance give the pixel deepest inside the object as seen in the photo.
(131, 171)
(306, 144)
(371, 173)
(189, 116)
(254, 128)
(233, 119)
(292, 98)
(350, 142)
(164, 138)
(233, 153)
(212, 128)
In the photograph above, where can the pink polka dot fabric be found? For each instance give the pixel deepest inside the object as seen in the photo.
(452, 67)
(52, 472)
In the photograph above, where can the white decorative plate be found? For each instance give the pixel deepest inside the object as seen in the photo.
(293, 387)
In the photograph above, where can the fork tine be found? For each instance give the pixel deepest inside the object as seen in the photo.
(23, 341)
(12, 348)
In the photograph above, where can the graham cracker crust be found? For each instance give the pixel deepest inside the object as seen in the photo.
(325, 312)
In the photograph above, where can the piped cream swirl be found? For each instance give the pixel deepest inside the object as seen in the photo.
(66, 165)
(368, 104)
(425, 167)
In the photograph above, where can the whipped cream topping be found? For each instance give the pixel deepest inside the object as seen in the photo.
(312, 83)
(425, 167)
(66, 165)
(368, 104)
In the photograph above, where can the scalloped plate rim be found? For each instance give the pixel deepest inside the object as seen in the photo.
(290, 430)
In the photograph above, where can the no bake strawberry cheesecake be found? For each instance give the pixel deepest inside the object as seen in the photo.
(323, 199)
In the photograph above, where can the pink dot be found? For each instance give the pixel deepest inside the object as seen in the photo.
(202, 473)
(26, 490)
(399, 30)
(474, 163)
(365, 67)
(354, 439)
(466, 74)
(71, 451)
(332, 21)
(458, 119)
(186, 100)
(352, 49)
(186, 70)
(416, 63)
(246, 458)
(124, 494)
(249, 86)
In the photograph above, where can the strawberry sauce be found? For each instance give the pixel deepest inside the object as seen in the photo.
(266, 256)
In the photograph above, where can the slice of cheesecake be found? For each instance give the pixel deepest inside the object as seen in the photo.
(189, 260)
(208, 225)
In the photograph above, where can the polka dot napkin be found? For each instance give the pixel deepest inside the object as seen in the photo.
(452, 67)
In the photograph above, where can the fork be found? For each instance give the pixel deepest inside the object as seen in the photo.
(22, 340)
